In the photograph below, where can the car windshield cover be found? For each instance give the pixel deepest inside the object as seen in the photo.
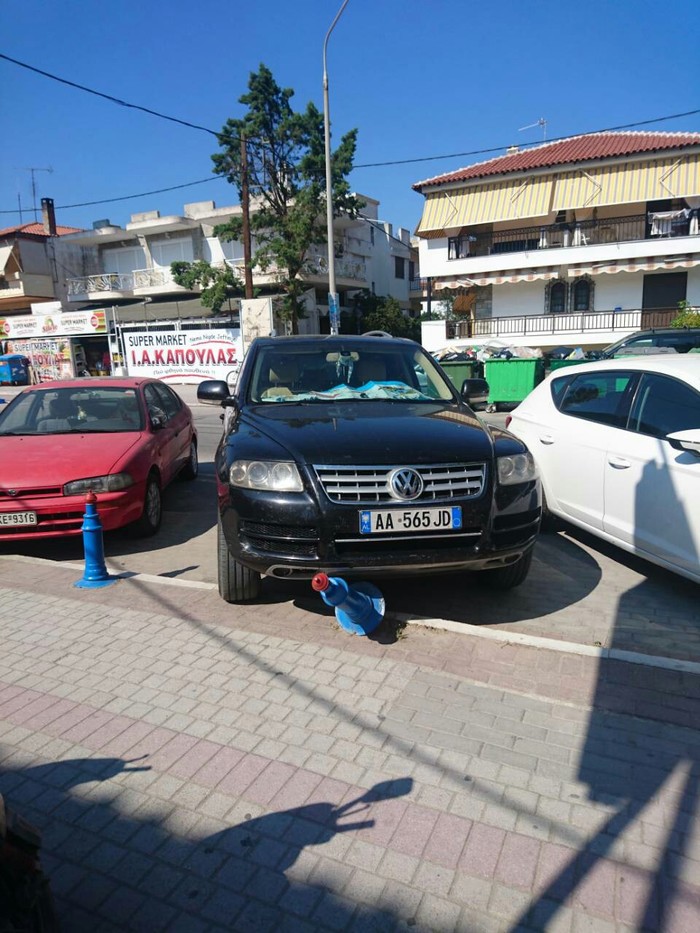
(353, 372)
(73, 411)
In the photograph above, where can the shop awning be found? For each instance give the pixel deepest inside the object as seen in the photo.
(489, 203)
(648, 264)
(510, 277)
(5, 253)
(627, 183)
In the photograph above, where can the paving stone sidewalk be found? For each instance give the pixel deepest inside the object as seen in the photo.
(196, 766)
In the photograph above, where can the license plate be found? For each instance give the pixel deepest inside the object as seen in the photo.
(402, 520)
(18, 518)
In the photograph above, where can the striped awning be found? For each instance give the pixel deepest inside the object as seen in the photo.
(628, 183)
(509, 277)
(488, 203)
(648, 264)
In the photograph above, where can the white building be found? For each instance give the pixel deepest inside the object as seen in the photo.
(133, 263)
(572, 242)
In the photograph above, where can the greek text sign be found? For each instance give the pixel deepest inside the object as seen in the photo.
(184, 356)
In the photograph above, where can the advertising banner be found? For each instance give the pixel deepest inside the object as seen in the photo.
(50, 357)
(184, 356)
(66, 324)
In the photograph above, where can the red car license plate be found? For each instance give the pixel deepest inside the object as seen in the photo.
(18, 518)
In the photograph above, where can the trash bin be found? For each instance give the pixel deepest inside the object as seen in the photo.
(459, 370)
(510, 381)
(14, 370)
(559, 364)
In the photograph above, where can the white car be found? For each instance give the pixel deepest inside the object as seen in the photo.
(617, 443)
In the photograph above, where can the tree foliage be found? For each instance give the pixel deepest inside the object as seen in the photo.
(688, 316)
(217, 282)
(286, 177)
(381, 313)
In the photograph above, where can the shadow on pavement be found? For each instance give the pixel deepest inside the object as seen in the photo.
(641, 758)
(112, 871)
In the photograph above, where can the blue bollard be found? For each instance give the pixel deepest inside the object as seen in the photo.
(358, 609)
(96, 573)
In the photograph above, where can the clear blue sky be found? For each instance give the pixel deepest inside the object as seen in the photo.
(417, 78)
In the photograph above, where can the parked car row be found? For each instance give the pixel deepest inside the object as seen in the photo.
(360, 456)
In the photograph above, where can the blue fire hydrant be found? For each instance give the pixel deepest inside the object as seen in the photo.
(359, 609)
(96, 573)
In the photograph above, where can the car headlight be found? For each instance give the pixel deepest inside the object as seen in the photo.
(113, 482)
(273, 475)
(519, 468)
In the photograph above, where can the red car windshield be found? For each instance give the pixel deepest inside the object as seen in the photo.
(71, 410)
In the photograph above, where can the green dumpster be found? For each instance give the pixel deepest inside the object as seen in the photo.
(560, 364)
(459, 370)
(511, 380)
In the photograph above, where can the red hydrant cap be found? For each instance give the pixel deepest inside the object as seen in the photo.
(320, 582)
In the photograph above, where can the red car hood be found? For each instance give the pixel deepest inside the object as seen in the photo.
(57, 459)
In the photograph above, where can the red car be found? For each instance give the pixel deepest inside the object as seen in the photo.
(123, 438)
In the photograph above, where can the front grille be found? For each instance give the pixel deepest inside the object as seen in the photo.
(31, 492)
(441, 482)
(284, 540)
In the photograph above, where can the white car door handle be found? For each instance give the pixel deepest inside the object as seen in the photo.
(618, 463)
(546, 439)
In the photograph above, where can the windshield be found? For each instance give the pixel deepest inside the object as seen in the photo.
(355, 372)
(71, 410)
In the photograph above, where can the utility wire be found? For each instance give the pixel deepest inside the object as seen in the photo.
(114, 100)
(195, 126)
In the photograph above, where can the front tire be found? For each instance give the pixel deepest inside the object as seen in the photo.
(237, 584)
(152, 515)
(510, 576)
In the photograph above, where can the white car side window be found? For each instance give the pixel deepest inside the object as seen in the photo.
(664, 405)
(598, 396)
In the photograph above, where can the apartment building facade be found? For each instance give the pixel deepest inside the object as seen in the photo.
(577, 241)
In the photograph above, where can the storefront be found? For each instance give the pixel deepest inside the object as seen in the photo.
(59, 344)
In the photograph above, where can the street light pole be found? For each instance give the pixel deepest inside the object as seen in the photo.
(333, 310)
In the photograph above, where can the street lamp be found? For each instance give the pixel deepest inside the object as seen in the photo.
(333, 311)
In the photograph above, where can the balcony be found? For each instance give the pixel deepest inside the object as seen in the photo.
(121, 284)
(628, 229)
(582, 327)
(351, 268)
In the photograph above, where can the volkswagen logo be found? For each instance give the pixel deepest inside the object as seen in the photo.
(405, 484)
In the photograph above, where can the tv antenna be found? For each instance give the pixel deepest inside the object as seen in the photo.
(541, 122)
(34, 169)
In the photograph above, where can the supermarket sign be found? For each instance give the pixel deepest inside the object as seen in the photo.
(61, 324)
(184, 356)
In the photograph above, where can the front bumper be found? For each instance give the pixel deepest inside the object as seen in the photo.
(295, 536)
(62, 516)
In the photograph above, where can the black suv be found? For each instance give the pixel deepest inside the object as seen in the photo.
(680, 339)
(357, 457)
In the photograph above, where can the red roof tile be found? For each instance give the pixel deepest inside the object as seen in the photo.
(566, 151)
(38, 228)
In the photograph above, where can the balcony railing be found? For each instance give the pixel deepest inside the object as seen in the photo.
(346, 268)
(552, 236)
(120, 281)
(576, 323)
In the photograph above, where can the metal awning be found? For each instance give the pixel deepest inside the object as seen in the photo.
(486, 203)
(5, 253)
(509, 277)
(627, 183)
(648, 264)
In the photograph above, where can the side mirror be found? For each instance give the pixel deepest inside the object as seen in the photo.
(475, 391)
(686, 440)
(213, 392)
